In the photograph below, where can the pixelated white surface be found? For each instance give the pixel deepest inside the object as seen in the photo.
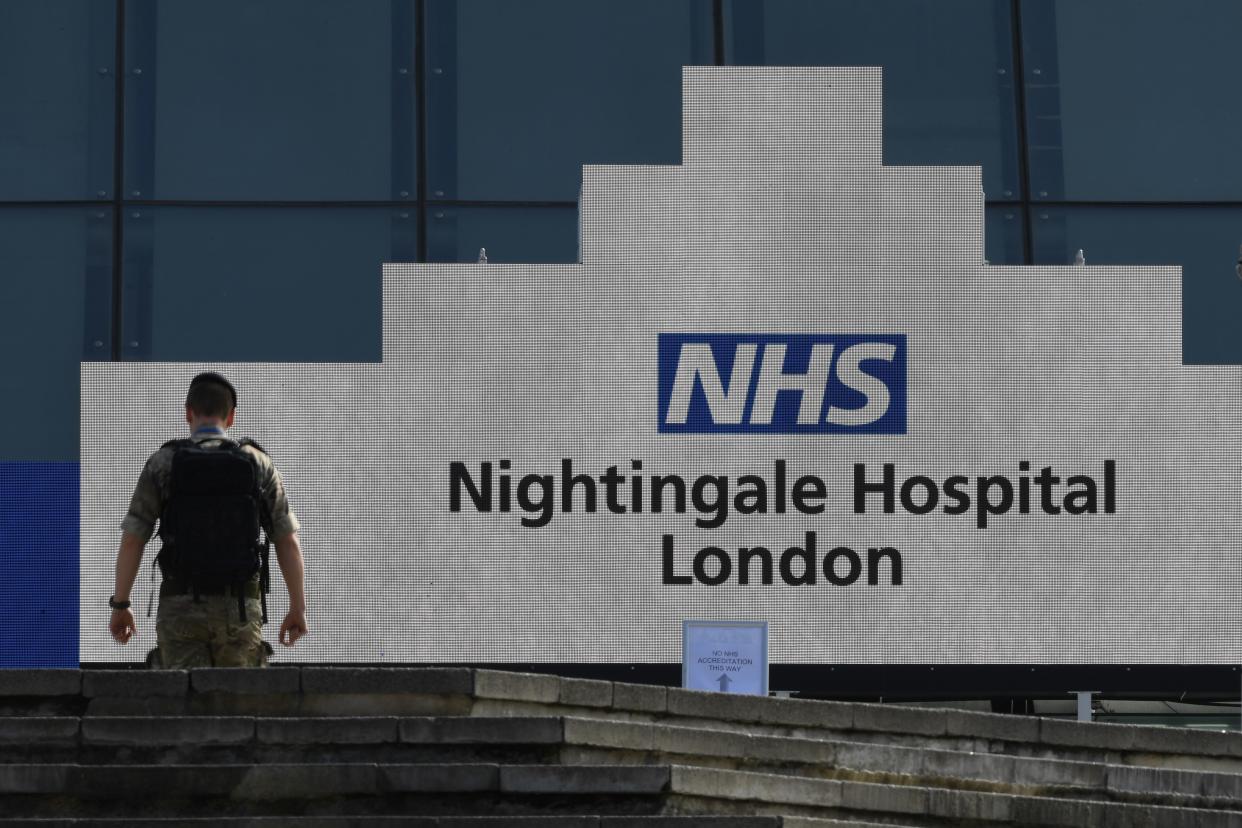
(780, 220)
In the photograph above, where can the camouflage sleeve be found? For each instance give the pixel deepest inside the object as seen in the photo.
(147, 504)
(281, 520)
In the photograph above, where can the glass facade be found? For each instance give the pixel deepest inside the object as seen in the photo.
(159, 157)
(315, 101)
(1133, 100)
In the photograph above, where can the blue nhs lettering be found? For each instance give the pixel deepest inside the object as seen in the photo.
(782, 383)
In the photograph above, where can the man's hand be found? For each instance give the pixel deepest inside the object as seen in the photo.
(293, 628)
(122, 625)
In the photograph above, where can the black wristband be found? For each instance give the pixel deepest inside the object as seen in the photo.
(117, 605)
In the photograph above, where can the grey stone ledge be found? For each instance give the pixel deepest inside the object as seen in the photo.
(167, 730)
(387, 680)
(1098, 736)
(39, 730)
(1006, 728)
(708, 705)
(610, 734)
(497, 730)
(367, 821)
(987, 808)
(756, 787)
(141, 706)
(253, 782)
(584, 779)
(135, 684)
(585, 693)
(783, 749)
(866, 756)
(307, 781)
(644, 698)
(463, 778)
(326, 730)
(530, 687)
(21, 779)
(1184, 740)
(807, 713)
(1026, 810)
(124, 782)
(40, 682)
(382, 704)
(248, 681)
(901, 799)
(819, 822)
(690, 822)
(1166, 784)
(701, 742)
(896, 719)
(542, 821)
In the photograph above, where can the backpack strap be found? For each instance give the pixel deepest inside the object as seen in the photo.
(246, 441)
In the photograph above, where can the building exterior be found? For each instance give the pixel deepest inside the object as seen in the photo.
(221, 182)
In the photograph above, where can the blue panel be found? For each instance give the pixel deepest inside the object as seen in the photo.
(259, 284)
(521, 95)
(1004, 228)
(39, 554)
(280, 100)
(55, 311)
(510, 234)
(1133, 100)
(57, 94)
(948, 71)
(1203, 240)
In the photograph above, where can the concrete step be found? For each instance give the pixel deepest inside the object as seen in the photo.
(345, 734)
(351, 789)
(264, 740)
(74, 790)
(594, 741)
(726, 791)
(539, 740)
(543, 821)
(336, 692)
(498, 693)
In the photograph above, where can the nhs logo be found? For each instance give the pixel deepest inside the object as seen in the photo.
(712, 383)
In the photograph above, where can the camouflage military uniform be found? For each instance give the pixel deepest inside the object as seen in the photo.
(208, 632)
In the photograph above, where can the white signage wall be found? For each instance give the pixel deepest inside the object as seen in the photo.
(782, 385)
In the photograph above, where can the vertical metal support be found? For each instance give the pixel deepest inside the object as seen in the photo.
(1084, 705)
(440, 102)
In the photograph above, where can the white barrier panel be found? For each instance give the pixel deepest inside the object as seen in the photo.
(782, 386)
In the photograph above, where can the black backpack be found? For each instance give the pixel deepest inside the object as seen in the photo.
(211, 520)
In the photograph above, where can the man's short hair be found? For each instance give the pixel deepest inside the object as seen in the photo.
(211, 395)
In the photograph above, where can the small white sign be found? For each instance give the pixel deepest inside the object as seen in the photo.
(725, 656)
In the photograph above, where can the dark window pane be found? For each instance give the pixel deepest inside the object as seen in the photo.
(55, 307)
(521, 95)
(948, 71)
(1003, 231)
(280, 100)
(259, 284)
(1203, 240)
(57, 94)
(1134, 100)
(510, 234)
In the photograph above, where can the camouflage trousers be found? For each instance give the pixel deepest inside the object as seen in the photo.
(209, 632)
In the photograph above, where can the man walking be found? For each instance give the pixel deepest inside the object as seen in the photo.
(210, 495)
